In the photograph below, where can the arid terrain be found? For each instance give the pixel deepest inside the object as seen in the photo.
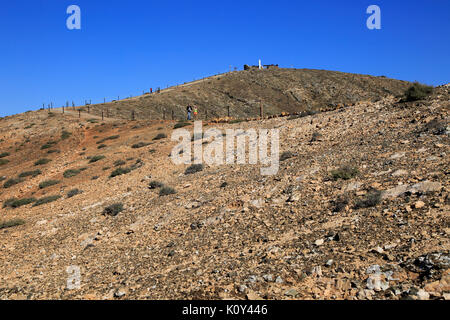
(359, 208)
(243, 92)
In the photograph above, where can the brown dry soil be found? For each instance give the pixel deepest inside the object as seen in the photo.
(276, 91)
(295, 235)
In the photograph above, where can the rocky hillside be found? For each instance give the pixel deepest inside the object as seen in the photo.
(359, 208)
(278, 90)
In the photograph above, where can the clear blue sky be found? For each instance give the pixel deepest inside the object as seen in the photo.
(125, 47)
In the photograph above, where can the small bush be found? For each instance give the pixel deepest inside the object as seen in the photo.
(73, 193)
(102, 146)
(108, 138)
(11, 182)
(155, 184)
(33, 173)
(160, 136)
(344, 173)
(48, 183)
(119, 171)
(140, 145)
(166, 191)
(340, 203)
(46, 200)
(113, 210)
(194, 168)
(92, 120)
(96, 158)
(65, 135)
(286, 155)
(48, 145)
(371, 200)
(11, 223)
(417, 92)
(71, 173)
(119, 163)
(224, 184)
(181, 125)
(16, 203)
(4, 154)
(42, 162)
(3, 161)
(53, 151)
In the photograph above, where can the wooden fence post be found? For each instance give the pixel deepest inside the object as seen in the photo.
(228, 111)
(132, 115)
(260, 109)
(164, 114)
(173, 115)
(102, 115)
(79, 113)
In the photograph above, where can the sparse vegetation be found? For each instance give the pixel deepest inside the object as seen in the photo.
(11, 223)
(96, 158)
(180, 125)
(108, 138)
(140, 145)
(11, 182)
(286, 155)
(42, 161)
(113, 210)
(3, 161)
(165, 190)
(417, 91)
(65, 135)
(160, 136)
(102, 146)
(119, 171)
(340, 203)
(4, 154)
(32, 173)
(155, 184)
(73, 193)
(345, 173)
(194, 168)
(119, 163)
(371, 200)
(48, 183)
(46, 200)
(48, 145)
(15, 203)
(71, 173)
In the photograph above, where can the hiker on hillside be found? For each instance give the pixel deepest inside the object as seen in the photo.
(189, 111)
(195, 112)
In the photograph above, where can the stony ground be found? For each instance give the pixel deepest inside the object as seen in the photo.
(359, 209)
